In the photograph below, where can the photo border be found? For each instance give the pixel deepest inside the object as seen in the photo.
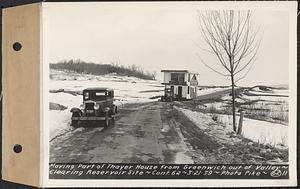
(282, 6)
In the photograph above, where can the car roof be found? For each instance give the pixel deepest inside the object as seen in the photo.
(98, 89)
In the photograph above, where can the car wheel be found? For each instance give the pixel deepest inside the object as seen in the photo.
(112, 114)
(74, 123)
(106, 124)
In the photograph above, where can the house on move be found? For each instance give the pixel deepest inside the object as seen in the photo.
(182, 84)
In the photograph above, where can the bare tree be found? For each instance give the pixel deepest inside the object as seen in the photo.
(231, 38)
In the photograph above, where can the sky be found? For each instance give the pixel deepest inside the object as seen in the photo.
(156, 37)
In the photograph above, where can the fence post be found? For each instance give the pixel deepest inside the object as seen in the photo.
(240, 128)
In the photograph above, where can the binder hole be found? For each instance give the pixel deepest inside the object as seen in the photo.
(17, 46)
(17, 148)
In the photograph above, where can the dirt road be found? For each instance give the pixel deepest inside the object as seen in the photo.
(142, 133)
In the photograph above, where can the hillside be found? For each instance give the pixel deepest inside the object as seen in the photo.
(79, 66)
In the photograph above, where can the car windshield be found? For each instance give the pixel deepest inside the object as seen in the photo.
(95, 95)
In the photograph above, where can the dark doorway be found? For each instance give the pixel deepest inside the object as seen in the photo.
(180, 92)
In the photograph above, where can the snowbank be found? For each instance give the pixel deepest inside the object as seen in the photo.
(59, 122)
(258, 131)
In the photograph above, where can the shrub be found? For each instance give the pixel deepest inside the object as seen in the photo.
(80, 66)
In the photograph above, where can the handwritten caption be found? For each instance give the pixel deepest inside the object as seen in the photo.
(166, 171)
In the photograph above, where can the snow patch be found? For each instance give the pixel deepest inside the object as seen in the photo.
(59, 122)
(259, 131)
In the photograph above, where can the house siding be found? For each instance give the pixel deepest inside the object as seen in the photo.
(186, 85)
(167, 77)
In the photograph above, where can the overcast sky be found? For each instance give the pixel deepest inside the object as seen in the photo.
(156, 37)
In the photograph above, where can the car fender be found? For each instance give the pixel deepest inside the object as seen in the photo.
(76, 110)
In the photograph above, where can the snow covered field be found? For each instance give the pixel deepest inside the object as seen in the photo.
(259, 131)
(266, 106)
(262, 103)
(263, 132)
(209, 90)
(127, 90)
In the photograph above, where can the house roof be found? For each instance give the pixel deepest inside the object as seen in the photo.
(185, 71)
(98, 89)
(175, 71)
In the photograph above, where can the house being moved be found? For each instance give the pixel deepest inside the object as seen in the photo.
(180, 84)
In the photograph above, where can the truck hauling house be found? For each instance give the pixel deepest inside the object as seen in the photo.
(179, 85)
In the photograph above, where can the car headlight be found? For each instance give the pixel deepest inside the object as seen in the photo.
(96, 106)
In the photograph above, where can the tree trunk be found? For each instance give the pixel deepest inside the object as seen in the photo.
(233, 103)
(240, 128)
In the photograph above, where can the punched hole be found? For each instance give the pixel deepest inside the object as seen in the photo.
(17, 46)
(17, 148)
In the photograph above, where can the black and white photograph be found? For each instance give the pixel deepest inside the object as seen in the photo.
(172, 90)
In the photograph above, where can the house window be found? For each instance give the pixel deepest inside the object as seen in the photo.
(188, 90)
(177, 77)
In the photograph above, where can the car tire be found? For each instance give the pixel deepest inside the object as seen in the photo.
(75, 123)
(112, 114)
(106, 122)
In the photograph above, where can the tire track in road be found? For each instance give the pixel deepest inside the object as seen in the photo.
(135, 138)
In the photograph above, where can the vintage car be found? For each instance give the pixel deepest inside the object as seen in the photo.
(97, 106)
(168, 95)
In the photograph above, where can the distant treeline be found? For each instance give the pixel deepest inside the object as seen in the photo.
(80, 66)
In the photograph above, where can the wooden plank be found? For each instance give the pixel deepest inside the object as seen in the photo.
(21, 94)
